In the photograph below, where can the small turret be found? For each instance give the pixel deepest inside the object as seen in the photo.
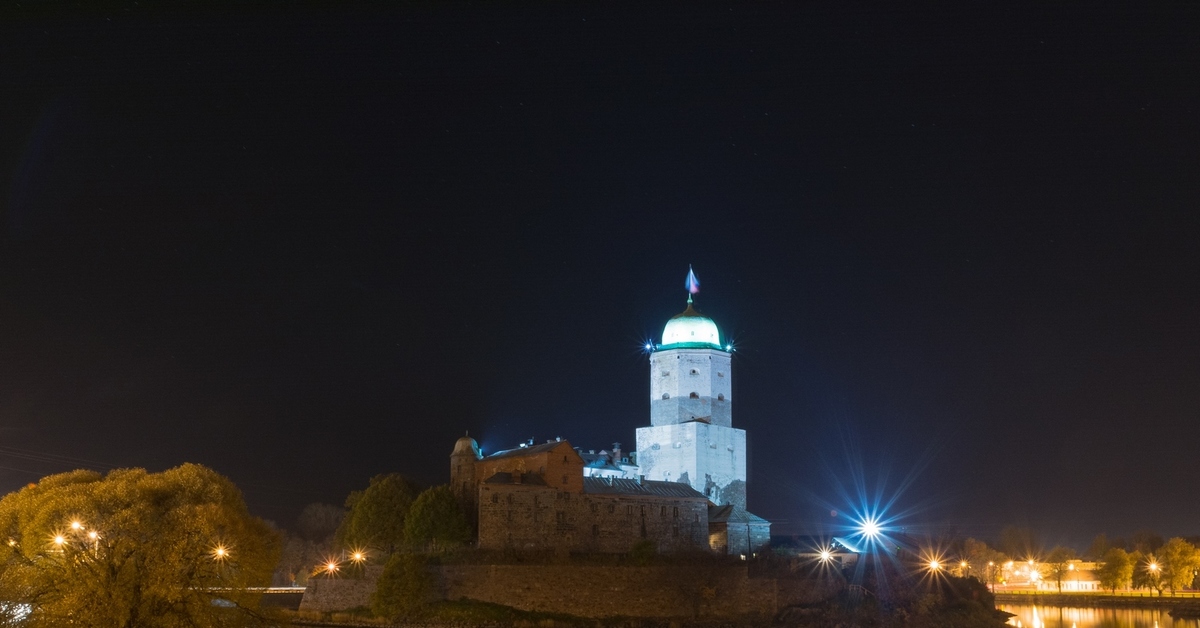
(462, 475)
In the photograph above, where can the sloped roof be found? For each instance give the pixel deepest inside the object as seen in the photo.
(648, 488)
(507, 478)
(733, 514)
(531, 450)
(806, 543)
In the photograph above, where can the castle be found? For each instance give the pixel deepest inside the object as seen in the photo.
(684, 489)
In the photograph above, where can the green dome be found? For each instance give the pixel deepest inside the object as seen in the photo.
(690, 330)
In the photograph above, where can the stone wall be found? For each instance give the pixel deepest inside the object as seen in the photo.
(533, 517)
(597, 591)
(339, 594)
(678, 374)
(710, 458)
(681, 591)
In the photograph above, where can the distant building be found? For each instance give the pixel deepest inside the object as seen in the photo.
(1080, 575)
(684, 489)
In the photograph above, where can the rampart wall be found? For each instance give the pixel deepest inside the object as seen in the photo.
(340, 594)
(598, 591)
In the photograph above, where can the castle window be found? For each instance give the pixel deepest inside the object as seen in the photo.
(664, 511)
(675, 511)
(564, 459)
(643, 528)
(535, 500)
(612, 508)
(595, 507)
(666, 373)
(674, 530)
(666, 396)
(693, 396)
(643, 511)
(720, 396)
(697, 517)
(495, 498)
(560, 517)
(595, 530)
(719, 374)
(508, 515)
(629, 509)
(508, 498)
(695, 372)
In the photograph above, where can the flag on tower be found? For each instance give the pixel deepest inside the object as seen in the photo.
(692, 284)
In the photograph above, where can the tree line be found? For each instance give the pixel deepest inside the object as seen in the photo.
(134, 549)
(1143, 561)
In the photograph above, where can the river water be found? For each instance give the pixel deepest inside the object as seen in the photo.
(1030, 616)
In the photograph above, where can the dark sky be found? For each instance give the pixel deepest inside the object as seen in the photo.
(306, 244)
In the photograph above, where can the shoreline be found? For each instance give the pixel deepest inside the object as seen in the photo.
(1087, 600)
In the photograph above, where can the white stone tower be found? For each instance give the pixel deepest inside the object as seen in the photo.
(691, 437)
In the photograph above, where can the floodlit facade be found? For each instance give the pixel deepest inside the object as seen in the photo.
(684, 489)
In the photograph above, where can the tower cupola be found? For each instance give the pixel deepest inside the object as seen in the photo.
(690, 329)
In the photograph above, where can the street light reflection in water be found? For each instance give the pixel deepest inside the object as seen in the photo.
(1030, 616)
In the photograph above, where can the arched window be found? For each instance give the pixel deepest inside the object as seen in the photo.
(720, 396)
(666, 396)
(693, 396)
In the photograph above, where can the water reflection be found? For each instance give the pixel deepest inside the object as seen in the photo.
(1030, 616)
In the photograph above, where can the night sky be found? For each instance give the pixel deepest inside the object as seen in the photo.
(957, 249)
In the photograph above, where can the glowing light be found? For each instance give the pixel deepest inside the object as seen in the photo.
(92, 535)
(963, 564)
(331, 567)
(649, 346)
(75, 525)
(825, 556)
(869, 528)
(12, 542)
(729, 347)
(358, 556)
(1153, 567)
(690, 330)
(934, 565)
(1071, 567)
(59, 539)
(220, 552)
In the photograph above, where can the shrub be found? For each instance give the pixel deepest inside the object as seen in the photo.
(403, 588)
